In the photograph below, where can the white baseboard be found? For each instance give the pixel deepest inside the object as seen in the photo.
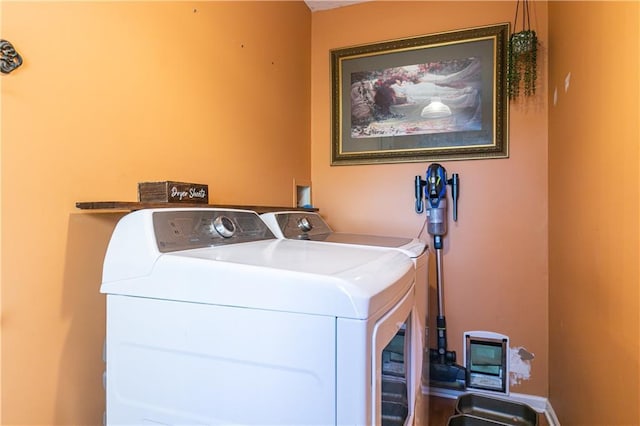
(538, 403)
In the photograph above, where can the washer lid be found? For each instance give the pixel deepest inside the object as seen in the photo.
(298, 225)
(284, 275)
(411, 246)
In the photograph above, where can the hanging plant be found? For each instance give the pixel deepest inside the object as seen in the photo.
(523, 51)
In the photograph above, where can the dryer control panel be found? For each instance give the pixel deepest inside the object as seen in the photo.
(189, 229)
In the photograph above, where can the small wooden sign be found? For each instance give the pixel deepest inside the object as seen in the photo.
(173, 192)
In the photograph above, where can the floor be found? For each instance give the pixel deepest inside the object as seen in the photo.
(440, 409)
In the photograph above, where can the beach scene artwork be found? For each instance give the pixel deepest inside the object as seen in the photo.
(428, 98)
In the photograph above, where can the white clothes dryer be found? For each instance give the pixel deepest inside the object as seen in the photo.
(302, 225)
(212, 320)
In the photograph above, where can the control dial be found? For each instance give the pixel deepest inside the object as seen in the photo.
(224, 226)
(304, 224)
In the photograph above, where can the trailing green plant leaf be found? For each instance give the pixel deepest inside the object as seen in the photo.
(522, 68)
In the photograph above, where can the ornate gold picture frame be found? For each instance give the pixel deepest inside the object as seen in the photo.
(434, 97)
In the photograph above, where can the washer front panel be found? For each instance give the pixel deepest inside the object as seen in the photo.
(189, 363)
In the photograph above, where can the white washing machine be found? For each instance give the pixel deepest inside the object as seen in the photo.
(299, 225)
(212, 320)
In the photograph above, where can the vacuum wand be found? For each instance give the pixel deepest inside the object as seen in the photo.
(441, 322)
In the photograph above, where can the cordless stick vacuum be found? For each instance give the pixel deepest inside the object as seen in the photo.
(444, 372)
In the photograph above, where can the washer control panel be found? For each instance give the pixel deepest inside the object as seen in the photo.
(189, 229)
(303, 226)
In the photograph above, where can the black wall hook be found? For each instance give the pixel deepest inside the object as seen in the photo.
(9, 58)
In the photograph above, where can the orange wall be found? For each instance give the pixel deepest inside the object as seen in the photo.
(495, 257)
(111, 94)
(594, 216)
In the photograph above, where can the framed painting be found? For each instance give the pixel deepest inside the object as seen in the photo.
(434, 97)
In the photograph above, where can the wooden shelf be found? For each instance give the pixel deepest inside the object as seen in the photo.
(134, 205)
